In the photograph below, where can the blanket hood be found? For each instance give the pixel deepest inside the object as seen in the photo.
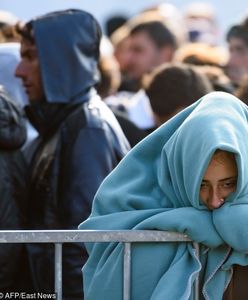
(219, 121)
(165, 170)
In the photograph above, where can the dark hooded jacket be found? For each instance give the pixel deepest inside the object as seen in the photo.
(79, 142)
(12, 137)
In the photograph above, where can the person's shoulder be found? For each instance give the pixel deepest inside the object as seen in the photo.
(12, 123)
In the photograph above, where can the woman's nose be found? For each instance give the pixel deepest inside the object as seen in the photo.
(215, 199)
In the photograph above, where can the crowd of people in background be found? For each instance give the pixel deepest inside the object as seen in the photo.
(160, 35)
(74, 102)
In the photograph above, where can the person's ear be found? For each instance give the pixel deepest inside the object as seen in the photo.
(167, 53)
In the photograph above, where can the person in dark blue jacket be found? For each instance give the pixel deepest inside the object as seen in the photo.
(79, 141)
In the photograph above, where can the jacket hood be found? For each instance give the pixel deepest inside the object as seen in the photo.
(12, 123)
(68, 48)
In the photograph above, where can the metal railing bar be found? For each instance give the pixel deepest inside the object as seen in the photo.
(58, 271)
(127, 271)
(72, 236)
(58, 237)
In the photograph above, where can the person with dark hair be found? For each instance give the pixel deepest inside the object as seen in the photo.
(12, 188)
(113, 22)
(120, 41)
(9, 58)
(79, 142)
(106, 87)
(237, 38)
(151, 44)
(172, 87)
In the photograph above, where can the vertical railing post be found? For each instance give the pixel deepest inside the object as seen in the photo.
(58, 270)
(127, 271)
(196, 284)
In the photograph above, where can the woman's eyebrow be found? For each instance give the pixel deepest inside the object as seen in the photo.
(224, 179)
(229, 178)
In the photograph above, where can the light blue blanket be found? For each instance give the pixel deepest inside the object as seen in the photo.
(156, 186)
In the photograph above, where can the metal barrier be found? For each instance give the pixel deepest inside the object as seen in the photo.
(127, 237)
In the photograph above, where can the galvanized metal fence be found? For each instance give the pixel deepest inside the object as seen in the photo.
(127, 237)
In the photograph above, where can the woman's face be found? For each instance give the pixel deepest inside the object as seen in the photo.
(220, 179)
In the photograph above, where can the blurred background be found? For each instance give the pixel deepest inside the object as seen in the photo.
(142, 37)
(226, 14)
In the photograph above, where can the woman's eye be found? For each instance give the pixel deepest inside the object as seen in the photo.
(204, 185)
(230, 184)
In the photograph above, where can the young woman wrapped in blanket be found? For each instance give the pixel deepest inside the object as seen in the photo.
(189, 176)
